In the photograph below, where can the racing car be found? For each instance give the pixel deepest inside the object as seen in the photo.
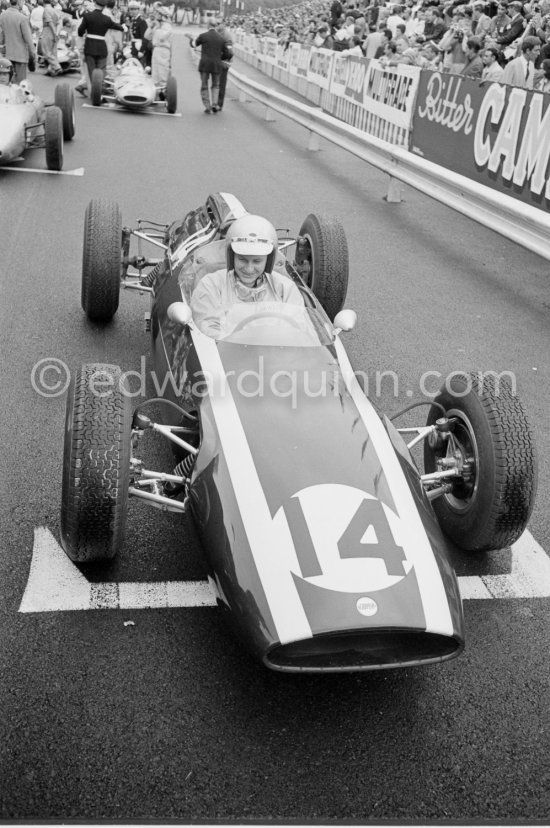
(325, 542)
(26, 122)
(129, 85)
(68, 57)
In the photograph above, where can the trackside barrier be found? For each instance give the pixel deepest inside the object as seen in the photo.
(520, 222)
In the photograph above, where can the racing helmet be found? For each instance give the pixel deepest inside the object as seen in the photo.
(251, 236)
(6, 68)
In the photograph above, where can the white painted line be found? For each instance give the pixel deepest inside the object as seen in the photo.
(78, 171)
(55, 584)
(120, 108)
(530, 575)
(471, 586)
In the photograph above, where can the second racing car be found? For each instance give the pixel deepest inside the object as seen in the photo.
(26, 122)
(130, 86)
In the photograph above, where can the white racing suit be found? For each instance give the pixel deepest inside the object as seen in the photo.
(217, 292)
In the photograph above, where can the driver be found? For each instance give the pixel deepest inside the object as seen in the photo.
(9, 93)
(251, 248)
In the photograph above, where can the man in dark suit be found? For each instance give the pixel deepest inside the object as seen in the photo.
(226, 58)
(137, 26)
(210, 65)
(509, 38)
(94, 26)
(15, 36)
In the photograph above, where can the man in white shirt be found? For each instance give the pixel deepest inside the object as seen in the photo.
(521, 70)
(492, 70)
(394, 19)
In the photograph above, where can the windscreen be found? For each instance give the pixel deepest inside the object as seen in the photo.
(275, 323)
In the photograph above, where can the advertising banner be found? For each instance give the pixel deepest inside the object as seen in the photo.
(269, 50)
(294, 58)
(320, 66)
(340, 71)
(494, 134)
(283, 57)
(388, 92)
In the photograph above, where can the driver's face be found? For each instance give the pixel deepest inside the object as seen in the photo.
(249, 268)
(5, 78)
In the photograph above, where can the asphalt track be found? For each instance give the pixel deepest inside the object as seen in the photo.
(158, 714)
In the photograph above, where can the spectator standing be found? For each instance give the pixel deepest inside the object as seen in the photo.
(430, 56)
(354, 48)
(400, 36)
(323, 38)
(394, 19)
(113, 38)
(381, 51)
(434, 27)
(510, 36)
(137, 26)
(35, 20)
(48, 42)
(543, 84)
(374, 41)
(94, 26)
(414, 24)
(227, 56)
(336, 11)
(521, 70)
(213, 51)
(473, 68)
(481, 22)
(160, 35)
(499, 21)
(15, 36)
(492, 70)
(344, 34)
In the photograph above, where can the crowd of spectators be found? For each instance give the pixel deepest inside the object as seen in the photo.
(500, 40)
(50, 22)
(497, 40)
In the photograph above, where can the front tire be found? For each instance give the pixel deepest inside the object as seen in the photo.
(96, 91)
(64, 99)
(322, 259)
(171, 95)
(96, 464)
(101, 260)
(492, 506)
(53, 138)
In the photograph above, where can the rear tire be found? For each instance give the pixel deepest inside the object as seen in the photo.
(323, 261)
(96, 91)
(64, 99)
(53, 138)
(96, 464)
(101, 260)
(171, 94)
(491, 509)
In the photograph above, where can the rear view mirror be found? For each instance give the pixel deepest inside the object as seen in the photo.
(180, 313)
(345, 320)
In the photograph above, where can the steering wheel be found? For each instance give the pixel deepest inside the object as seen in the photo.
(266, 315)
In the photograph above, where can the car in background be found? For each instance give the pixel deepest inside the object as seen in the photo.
(26, 123)
(130, 86)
